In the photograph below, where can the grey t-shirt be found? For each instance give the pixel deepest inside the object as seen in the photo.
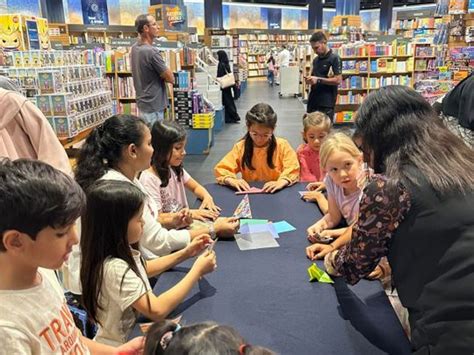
(147, 66)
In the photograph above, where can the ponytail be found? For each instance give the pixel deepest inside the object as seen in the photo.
(155, 342)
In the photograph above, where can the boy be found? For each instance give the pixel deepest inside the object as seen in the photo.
(38, 207)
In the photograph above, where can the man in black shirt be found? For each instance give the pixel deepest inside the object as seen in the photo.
(323, 94)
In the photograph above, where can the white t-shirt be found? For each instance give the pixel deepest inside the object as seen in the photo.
(348, 205)
(38, 321)
(116, 297)
(284, 58)
(171, 198)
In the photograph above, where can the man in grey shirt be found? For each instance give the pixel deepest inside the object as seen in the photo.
(149, 71)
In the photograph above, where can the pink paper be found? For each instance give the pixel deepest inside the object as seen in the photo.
(253, 190)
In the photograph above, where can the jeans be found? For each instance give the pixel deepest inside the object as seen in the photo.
(271, 77)
(151, 117)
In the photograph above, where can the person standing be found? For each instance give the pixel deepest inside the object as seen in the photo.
(283, 61)
(323, 94)
(149, 71)
(223, 68)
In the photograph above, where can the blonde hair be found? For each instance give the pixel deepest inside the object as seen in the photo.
(337, 142)
(316, 119)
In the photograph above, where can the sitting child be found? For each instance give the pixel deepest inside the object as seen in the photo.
(166, 179)
(167, 337)
(259, 155)
(39, 207)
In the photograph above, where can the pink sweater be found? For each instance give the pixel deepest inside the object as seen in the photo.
(310, 170)
(26, 133)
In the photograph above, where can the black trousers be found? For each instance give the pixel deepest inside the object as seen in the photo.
(329, 111)
(231, 114)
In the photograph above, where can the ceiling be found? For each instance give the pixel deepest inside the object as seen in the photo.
(364, 4)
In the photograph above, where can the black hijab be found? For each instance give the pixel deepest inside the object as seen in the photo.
(223, 60)
(459, 103)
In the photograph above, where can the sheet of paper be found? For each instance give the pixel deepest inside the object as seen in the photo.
(302, 193)
(243, 209)
(250, 241)
(257, 228)
(253, 221)
(283, 226)
(253, 190)
(317, 274)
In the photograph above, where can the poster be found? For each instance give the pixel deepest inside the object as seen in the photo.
(32, 34)
(11, 36)
(94, 12)
(274, 18)
(174, 18)
(471, 6)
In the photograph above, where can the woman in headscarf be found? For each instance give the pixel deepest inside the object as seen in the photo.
(223, 68)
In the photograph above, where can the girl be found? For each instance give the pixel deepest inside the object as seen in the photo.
(167, 337)
(271, 69)
(113, 274)
(259, 155)
(223, 68)
(166, 179)
(345, 179)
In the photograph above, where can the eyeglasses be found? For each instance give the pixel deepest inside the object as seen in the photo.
(258, 135)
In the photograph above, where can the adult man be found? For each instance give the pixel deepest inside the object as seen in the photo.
(283, 61)
(150, 73)
(323, 93)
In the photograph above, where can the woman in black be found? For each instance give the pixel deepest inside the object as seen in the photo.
(419, 211)
(231, 115)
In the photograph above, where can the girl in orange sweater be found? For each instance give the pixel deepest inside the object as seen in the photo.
(259, 155)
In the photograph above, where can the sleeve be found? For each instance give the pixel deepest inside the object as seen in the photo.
(220, 70)
(381, 211)
(152, 185)
(291, 167)
(185, 176)
(329, 186)
(123, 284)
(157, 62)
(229, 166)
(337, 65)
(305, 172)
(13, 341)
(43, 139)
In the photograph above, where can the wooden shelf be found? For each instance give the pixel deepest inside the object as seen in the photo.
(425, 57)
(355, 57)
(355, 89)
(127, 98)
(124, 73)
(387, 73)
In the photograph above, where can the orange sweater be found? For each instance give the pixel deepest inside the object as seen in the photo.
(284, 159)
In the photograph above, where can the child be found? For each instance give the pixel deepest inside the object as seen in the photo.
(259, 156)
(39, 206)
(113, 274)
(345, 179)
(271, 69)
(166, 179)
(167, 337)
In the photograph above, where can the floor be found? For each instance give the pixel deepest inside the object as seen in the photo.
(290, 111)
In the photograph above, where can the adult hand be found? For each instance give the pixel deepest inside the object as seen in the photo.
(226, 226)
(208, 203)
(376, 274)
(273, 186)
(205, 263)
(316, 186)
(311, 80)
(238, 184)
(197, 244)
(312, 196)
(132, 347)
(182, 218)
(314, 230)
(318, 251)
(332, 233)
(203, 215)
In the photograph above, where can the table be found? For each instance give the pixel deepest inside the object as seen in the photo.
(266, 296)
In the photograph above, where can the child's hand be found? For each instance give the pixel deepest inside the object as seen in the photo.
(133, 347)
(312, 196)
(206, 263)
(273, 186)
(318, 251)
(208, 203)
(203, 215)
(183, 218)
(238, 184)
(197, 244)
(226, 226)
(314, 230)
(376, 274)
(332, 233)
(318, 186)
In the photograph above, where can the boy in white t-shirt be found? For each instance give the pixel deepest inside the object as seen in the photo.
(38, 208)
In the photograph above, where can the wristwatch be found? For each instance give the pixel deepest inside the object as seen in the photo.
(212, 231)
(318, 81)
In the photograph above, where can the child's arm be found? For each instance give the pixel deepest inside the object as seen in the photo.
(320, 199)
(134, 346)
(333, 217)
(319, 251)
(158, 307)
(229, 166)
(175, 220)
(291, 167)
(157, 266)
(305, 171)
(208, 208)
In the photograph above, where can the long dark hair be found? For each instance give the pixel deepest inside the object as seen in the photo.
(103, 147)
(163, 136)
(400, 130)
(202, 338)
(111, 204)
(262, 114)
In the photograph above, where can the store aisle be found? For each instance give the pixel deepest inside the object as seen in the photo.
(289, 110)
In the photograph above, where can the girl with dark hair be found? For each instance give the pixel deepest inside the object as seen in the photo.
(223, 68)
(259, 155)
(113, 274)
(166, 180)
(167, 337)
(419, 213)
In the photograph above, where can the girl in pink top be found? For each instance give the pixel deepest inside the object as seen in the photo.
(316, 126)
(166, 180)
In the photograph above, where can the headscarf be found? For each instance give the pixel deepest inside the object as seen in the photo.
(459, 103)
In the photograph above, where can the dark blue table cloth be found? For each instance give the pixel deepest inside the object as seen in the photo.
(266, 296)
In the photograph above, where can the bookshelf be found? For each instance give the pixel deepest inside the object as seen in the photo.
(81, 34)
